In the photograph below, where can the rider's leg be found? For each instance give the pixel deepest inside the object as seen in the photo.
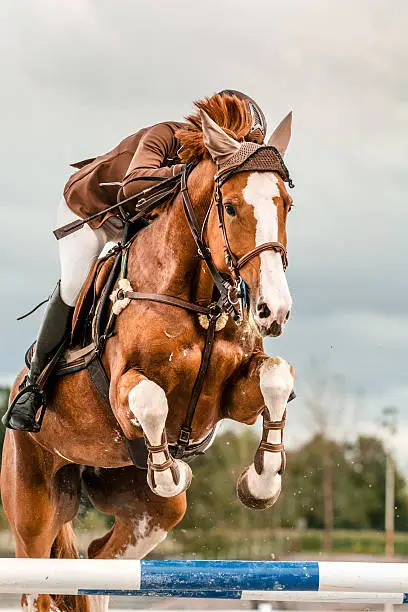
(77, 253)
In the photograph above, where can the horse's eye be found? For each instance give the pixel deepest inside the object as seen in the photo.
(230, 210)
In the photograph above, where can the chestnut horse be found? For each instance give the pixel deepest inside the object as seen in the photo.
(152, 361)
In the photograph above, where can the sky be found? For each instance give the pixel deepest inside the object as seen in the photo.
(80, 75)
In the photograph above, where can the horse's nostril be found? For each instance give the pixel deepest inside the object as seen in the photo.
(275, 329)
(263, 310)
(287, 316)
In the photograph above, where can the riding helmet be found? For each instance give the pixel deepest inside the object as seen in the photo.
(257, 132)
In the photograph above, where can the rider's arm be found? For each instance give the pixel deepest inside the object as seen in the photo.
(148, 162)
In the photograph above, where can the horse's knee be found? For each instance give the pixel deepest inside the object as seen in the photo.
(276, 380)
(148, 404)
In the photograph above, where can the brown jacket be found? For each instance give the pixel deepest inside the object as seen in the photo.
(138, 162)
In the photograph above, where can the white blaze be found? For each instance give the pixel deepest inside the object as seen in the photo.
(260, 190)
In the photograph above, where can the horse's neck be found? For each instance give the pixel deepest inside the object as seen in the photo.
(164, 258)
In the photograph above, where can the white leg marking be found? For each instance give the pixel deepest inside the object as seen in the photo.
(276, 383)
(30, 604)
(99, 603)
(148, 403)
(260, 190)
(144, 539)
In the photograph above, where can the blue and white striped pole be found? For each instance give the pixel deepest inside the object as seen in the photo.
(233, 579)
(270, 596)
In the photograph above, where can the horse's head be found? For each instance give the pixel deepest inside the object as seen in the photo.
(251, 203)
(255, 205)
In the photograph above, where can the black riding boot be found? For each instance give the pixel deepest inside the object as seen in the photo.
(53, 330)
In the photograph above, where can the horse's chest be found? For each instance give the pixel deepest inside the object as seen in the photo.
(186, 358)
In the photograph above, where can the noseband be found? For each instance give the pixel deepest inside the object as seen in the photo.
(234, 263)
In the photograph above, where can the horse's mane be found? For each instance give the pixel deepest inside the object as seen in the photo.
(229, 112)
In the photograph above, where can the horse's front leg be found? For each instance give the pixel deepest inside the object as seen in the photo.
(141, 404)
(265, 389)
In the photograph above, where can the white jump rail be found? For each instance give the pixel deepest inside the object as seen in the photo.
(250, 580)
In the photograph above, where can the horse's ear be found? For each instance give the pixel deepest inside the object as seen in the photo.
(220, 146)
(281, 136)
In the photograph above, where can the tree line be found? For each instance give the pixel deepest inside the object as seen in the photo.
(354, 472)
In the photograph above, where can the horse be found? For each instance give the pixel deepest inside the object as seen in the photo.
(152, 360)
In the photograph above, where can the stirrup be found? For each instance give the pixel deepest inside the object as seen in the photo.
(30, 388)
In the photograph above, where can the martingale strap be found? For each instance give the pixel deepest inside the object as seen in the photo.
(164, 299)
(179, 449)
(185, 431)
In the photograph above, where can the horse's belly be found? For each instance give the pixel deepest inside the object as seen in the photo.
(79, 428)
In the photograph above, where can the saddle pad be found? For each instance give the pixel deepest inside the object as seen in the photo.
(90, 292)
(72, 360)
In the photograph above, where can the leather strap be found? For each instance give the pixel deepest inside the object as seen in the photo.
(145, 201)
(266, 246)
(274, 425)
(204, 252)
(168, 463)
(185, 431)
(270, 447)
(193, 450)
(160, 448)
(164, 299)
(99, 379)
(49, 368)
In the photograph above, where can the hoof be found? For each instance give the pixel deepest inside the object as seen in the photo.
(245, 496)
(164, 481)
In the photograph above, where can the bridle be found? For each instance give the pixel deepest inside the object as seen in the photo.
(227, 288)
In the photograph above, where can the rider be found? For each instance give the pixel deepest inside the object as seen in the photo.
(138, 162)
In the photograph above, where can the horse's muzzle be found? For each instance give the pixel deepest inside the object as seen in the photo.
(272, 331)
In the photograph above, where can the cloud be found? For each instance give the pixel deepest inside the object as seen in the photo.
(91, 72)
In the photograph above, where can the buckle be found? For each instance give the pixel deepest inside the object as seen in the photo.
(184, 436)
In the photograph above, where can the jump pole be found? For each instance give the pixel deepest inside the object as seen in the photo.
(228, 579)
(217, 579)
(273, 596)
